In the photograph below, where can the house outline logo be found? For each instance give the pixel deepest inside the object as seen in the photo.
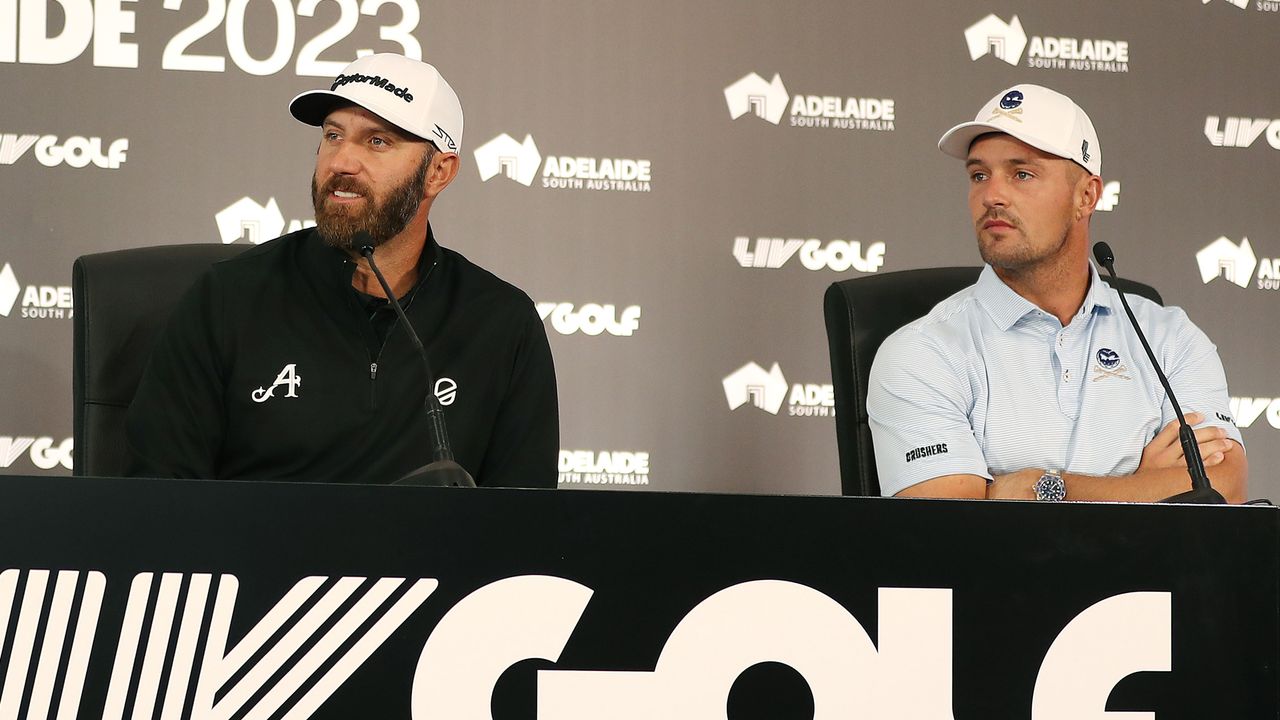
(993, 36)
(504, 156)
(246, 218)
(752, 384)
(752, 94)
(10, 288)
(1225, 259)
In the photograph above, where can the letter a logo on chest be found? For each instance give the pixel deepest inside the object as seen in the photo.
(288, 377)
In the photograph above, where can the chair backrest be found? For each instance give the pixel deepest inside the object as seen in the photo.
(123, 299)
(860, 314)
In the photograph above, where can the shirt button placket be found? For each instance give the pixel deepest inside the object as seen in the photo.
(1066, 391)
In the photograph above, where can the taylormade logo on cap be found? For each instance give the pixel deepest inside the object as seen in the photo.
(376, 81)
(405, 92)
(1039, 117)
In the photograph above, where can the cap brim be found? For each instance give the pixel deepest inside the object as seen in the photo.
(313, 106)
(956, 141)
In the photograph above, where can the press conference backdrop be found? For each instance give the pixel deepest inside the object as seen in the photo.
(674, 183)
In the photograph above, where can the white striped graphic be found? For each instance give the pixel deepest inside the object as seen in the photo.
(49, 656)
(184, 654)
(144, 705)
(82, 646)
(130, 631)
(51, 650)
(24, 638)
(363, 648)
(149, 638)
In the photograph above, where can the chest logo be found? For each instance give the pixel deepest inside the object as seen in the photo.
(1108, 365)
(446, 391)
(288, 377)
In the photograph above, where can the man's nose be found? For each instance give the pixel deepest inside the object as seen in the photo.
(344, 160)
(994, 193)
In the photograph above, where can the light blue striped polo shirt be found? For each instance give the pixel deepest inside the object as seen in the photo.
(987, 384)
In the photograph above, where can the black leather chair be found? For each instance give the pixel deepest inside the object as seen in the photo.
(860, 314)
(123, 300)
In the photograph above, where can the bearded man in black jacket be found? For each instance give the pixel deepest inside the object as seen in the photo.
(286, 362)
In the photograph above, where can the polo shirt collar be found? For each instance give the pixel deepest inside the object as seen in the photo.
(1007, 307)
(1100, 293)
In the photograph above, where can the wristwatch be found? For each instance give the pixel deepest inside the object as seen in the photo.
(1050, 487)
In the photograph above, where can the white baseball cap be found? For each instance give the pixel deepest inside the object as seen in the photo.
(409, 94)
(1039, 117)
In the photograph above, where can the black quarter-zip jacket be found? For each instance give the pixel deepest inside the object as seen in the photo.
(271, 369)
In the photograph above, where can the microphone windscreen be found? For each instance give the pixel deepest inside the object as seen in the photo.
(1102, 253)
(363, 240)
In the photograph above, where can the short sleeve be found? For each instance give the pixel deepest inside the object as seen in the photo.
(1197, 378)
(919, 404)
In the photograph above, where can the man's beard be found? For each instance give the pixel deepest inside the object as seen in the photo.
(383, 220)
(1015, 256)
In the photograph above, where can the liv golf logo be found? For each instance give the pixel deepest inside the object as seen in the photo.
(182, 642)
(76, 151)
(590, 319)
(1110, 196)
(769, 101)
(767, 391)
(45, 453)
(837, 255)
(519, 161)
(1241, 132)
(1007, 41)
(1247, 411)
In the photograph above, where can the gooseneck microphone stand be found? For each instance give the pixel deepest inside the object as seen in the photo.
(1201, 491)
(443, 470)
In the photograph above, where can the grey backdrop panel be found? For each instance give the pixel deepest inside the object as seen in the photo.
(646, 81)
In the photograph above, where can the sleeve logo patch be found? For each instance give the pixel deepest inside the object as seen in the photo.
(926, 451)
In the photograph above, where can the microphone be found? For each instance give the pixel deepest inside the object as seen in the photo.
(443, 470)
(1201, 491)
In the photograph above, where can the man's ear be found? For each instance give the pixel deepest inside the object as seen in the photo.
(1088, 191)
(442, 170)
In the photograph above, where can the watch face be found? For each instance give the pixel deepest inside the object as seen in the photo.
(1050, 488)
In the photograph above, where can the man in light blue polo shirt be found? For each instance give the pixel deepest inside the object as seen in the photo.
(1031, 384)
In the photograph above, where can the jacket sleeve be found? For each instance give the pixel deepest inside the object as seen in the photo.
(175, 424)
(525, 441)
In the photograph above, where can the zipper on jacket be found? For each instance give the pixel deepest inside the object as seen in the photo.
(373, 361)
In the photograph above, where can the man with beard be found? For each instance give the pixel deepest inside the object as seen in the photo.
(287, 362)
(1031, 384)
